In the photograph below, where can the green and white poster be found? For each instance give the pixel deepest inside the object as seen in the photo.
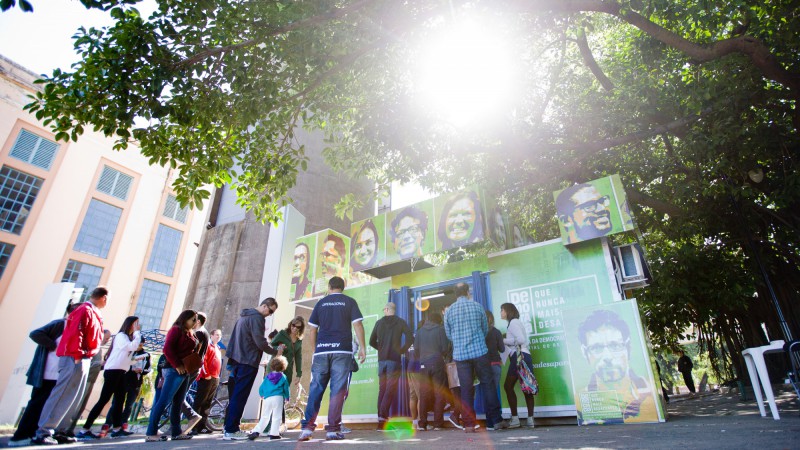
(612, 375)
(303, 265)
(543, 281)
(593, 209)
(361, 402)
(459, 219)
(411, 231)
(332, 259)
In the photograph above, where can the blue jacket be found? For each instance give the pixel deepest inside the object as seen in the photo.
(274, 384)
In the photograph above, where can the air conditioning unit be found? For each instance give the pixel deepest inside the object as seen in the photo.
(631, 268)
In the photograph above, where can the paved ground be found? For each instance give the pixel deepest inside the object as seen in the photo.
(709, 421)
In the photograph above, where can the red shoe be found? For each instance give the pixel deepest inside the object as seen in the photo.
(104, 431)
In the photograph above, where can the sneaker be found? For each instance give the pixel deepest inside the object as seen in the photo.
(44, 440)
(305, 435)
(125, 426)
(455, 423)
(529, 422)
(514, 423)
(253, 436)
(344, 430)
(274, 438)
(20, 442)
(192, 422)
(334, 436)
(237, 436)
(103, 431)
(502, 425)
(62, 438)
(121, 433)
(86, 435)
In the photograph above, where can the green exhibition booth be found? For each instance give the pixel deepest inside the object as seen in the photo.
(590, 350)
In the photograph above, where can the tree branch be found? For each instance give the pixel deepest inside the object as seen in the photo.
(588, 59)
(658, 205)
(310, 21)
(759, 54)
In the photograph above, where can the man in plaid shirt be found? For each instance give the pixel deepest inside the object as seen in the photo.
(466, 327)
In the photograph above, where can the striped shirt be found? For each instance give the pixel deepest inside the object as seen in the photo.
(466, 327)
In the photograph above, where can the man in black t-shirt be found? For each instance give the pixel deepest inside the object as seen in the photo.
(330, 334)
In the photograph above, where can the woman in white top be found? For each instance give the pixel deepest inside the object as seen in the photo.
(517, 340)
(118, 362)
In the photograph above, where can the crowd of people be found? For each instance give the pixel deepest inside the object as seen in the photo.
(461, 340)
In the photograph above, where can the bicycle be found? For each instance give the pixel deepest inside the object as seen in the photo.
(296, 409)
(216, 415)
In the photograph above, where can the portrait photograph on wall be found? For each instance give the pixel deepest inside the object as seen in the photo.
(459, 219)
(332, 259)
(303, 267)
(497, 224)
(612, 376)
(593, 209)
(410, 232)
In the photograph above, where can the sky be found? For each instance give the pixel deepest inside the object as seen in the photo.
(42, 41)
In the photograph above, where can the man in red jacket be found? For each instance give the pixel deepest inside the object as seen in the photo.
(81, 340)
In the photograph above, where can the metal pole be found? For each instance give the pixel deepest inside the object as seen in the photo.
(787, 333)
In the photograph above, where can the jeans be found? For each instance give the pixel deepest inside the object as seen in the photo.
(27, 424)
(497, 374)
(173, 391)
(243, 377)
(432, 386)
(481, 367)
(325, 368)
(388, 376)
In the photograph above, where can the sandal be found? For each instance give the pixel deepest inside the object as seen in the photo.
(181, 437)
(155, 438)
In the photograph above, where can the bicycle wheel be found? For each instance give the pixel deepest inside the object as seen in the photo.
(293, 417)
(216, 416)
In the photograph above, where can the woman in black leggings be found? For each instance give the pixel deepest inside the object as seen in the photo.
(517, 339)
(117, 363)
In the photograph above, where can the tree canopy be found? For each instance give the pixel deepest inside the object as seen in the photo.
(693, 103)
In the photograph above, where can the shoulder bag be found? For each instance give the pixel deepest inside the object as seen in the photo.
(527, 380)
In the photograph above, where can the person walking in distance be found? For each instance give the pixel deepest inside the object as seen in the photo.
(466, 326)
(245, 349)
(517, 339)
(207, 382)
(330, 333)
(685, 367)
(387, 339)
(274, 391)
(179, 344)
(42, 375)
(118, 362)
(83, 333)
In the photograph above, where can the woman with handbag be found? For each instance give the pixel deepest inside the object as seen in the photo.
(517, 339)
(182, 359)
(117, 363)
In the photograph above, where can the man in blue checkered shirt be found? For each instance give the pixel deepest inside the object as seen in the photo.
(466, 327)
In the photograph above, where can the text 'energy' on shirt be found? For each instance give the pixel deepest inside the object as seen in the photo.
(333, 317)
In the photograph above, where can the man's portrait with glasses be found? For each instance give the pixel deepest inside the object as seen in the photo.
(408, 231)
(584, 212)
